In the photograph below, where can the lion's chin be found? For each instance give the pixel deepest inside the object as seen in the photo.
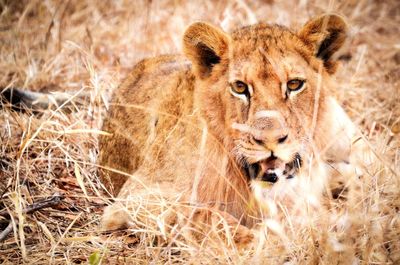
(292, 196)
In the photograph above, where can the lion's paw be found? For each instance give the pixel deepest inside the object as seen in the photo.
(116, 217)
(243, 236)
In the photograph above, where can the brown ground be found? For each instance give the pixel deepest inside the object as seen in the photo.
(88, 46)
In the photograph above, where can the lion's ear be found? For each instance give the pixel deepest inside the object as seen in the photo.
(325, 35)
(205, 46)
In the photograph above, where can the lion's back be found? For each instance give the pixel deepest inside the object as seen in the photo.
(143, 111)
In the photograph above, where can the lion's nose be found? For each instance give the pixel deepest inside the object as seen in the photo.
(259, 139)
(282, 139)
(270, 128)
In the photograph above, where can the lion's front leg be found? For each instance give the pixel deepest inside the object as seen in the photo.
(175, 219)
(200, 223)
(180, 221)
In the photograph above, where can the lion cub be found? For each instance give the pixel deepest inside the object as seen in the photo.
(237, 116)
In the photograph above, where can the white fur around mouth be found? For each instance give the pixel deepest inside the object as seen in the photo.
(270, 195)
(264, 189)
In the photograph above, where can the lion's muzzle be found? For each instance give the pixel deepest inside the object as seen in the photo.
(270, 152)
(269, 129)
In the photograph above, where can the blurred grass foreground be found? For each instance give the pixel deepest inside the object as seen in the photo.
(88, 46)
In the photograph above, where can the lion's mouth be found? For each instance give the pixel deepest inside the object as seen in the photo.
(272, 169)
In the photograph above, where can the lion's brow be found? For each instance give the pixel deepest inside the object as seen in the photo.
(277, 70)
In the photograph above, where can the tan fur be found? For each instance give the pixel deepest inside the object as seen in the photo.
(173, 120)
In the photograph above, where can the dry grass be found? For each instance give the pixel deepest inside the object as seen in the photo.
(88, 46)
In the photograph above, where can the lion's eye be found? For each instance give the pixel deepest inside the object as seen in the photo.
(295, 84)
(239, 87)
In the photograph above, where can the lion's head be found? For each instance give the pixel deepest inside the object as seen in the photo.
(262, 89)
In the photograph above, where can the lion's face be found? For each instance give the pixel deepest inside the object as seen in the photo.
(261, 88)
